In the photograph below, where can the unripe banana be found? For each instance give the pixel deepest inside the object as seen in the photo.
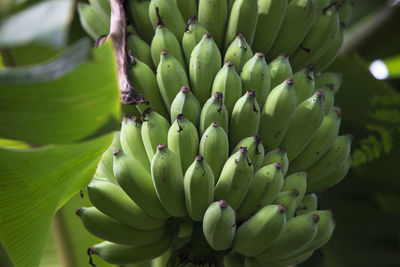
(299, 16)
(306, 120)
(228, 83)
(122, 254)
(266, 185)
(325, 225)
(260, 231)
(296, 181)
(187, 8)
(199, 188)
(323, 239)
(167, 176)
(214, 110)
(298, 233)
(256, 76)
(183, 140)
(205, 62)
(154, 131)
(270, 17)
(136, 181)
(103, 9)
(277, 114)
(321, 34)
(104, 227)
(280, 69)
(333, 178)
(144, 81)
(166, 40)
(214, 147)
(219, 225)
(242, 19)
(105, 167)
(332, 160)
(140, 14)
(346, 10)
(171, 77)
(278, 155)
(255, 150)
(288, 199)
(185, 103)
(320, 143)
(168, 11)
(329, 78)
(233, 259)
(308, 204)
(245, 118)
(91, 22)
(304, 83)
(329, 97)
(140, 49)
(213, 15)
(235, 179)
(111, 200)
(194, 32)
(238, 52)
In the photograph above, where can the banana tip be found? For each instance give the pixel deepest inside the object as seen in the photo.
(78, 211)
(281, 208)
(315, 217)
(161, 146)
(117, 152)
(185, 89)
(222, 204)
(259, 54)
(199, 158)
(215, 124)
(277, 165)
(284, 54)
(229, 63)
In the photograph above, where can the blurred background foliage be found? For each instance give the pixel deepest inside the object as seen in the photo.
(366, 204)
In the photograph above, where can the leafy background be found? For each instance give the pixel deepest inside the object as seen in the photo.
(59, 105)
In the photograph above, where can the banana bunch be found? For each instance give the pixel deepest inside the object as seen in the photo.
(239, 131)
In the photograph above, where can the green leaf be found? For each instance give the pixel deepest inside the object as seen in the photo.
(72, 98)
(36, 182)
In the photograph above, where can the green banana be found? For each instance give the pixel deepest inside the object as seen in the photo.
(304, 83)
(122, 254)
(266, 185)
(166, 40)
(233, 259)
(228, 83)
(194, 32)
(183, 140)
(105, 167)
(329, 78)
(320, 143)
(205, 62)
(280, 69)
(238, 52)
(213, 15)
(104, 227)
(321, 34)
(296, 181)
(136, 181)
(144, 81)
(245, 118)
(270, 17)
(299, 16)
(111, 200)
(214, 147)
(297, 234)
(185, 103)
(333, 51)
(219, 225)
(140, 49)
(288, 199)
(333, 178)
(260, 231)
(256, 76)
(168, 11)
(308, 204)
(346, 10)
(322, 239)
(243, 19)
(325, 225)
(91, 22)
(214, 110)
(277, 113)
(306, 120)
(171, 77)
(235, 179)
(199, 188)
(140, 14)
(167, 176)
(331, 161)
(255, 150)
(188, 8)
(278, 155)
(102, 8)
(154, 131)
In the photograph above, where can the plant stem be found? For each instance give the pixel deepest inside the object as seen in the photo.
(62, 240)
